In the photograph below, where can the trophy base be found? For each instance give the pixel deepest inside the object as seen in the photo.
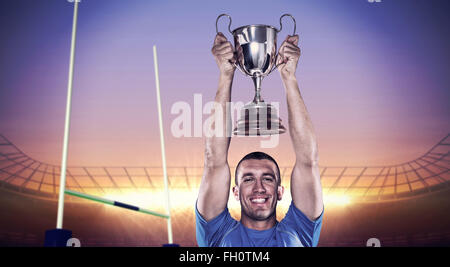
(259, 119)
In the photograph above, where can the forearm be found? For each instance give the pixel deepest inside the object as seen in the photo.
(306, 188)
(215, 185)
(300, 125)
(218, 142)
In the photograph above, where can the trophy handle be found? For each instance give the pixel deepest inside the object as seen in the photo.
(277, 65)
(281, 24)
(229, 24)
(281, 27)
(239, 68)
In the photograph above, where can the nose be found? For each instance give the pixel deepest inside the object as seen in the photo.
(259, 187)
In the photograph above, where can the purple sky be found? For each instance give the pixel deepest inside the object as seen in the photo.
(374, 77)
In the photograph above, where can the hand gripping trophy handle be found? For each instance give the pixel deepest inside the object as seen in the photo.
(231, 32)
(281, 27)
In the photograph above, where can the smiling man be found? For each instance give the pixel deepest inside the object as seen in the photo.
(257, 178)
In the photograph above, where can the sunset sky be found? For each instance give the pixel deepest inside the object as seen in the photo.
(374, 76)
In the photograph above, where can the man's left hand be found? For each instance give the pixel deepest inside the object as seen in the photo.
(289, 55)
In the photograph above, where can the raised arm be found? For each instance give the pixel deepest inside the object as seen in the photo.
(306, 189)
(215, 184)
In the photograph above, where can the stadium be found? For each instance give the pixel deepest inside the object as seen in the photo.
(400, 205)
(373, 75)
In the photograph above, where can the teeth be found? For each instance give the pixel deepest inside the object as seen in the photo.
(259, 200)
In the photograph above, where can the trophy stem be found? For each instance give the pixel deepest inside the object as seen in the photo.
(257, 82)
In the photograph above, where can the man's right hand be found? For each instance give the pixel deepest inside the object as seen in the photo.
(224, 55)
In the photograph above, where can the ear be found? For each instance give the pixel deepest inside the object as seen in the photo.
(236, 192)
(280, 191)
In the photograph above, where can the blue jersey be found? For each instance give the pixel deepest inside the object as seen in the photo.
(295, 230)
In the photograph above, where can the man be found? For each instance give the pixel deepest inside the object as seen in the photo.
(257, 178)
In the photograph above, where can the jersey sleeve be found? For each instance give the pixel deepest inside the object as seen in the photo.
(210, 233)
(308, 231)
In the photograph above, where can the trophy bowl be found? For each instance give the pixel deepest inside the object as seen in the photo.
(255, 47)
(256, 56)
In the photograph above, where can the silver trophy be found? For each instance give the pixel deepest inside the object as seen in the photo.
(256, 53)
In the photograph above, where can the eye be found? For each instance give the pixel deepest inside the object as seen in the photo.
(247, 179)
(268, 179)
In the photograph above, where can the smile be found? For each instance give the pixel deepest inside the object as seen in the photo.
(259, 200)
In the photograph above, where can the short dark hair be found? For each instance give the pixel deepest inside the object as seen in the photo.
(257, 155)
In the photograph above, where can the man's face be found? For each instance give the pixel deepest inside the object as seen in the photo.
(257, 188)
